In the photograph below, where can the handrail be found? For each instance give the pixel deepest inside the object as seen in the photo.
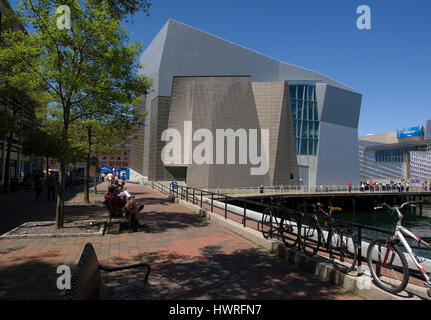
(225, 198)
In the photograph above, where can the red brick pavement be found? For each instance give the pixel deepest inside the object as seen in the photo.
(190, 257)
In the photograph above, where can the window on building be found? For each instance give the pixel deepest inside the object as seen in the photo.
(391, 155)
(305, 118)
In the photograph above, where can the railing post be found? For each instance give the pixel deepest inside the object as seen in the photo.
(193, 198)
(201, 198)
(225, 207)
(359, 251)
(187, 194)
(245, 214)
(212, 201)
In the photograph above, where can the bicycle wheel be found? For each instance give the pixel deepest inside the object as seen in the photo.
(388, 265)
(310, 235)
(343, 248)
(269, 223)
(289, 230)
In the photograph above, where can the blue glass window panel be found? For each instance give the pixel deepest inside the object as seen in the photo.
(299, 109)
(310, 110)
(293, 107)
(292, 90)
(303, 146)
(311, 146)
(304, 129)
(316, 117)
(309, 93)
(301, 92)
(315, 147)
(305, 111)
(297, 141)
(316, 129)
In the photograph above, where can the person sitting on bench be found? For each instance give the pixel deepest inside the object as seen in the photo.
(135, 217)
(116, 203)
(119, 206)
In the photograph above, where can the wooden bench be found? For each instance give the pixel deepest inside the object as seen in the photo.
(116, 216)
(87, 281)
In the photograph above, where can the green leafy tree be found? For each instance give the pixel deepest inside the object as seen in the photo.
(92, 59)
(43, 143)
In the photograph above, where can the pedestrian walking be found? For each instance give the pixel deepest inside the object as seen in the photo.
(50, 184)
(350, 186)
(38, 186)
(110, 177)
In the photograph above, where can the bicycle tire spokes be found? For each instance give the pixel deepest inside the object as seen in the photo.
(387, 265)
(269, 223)
(289, 231)
(310, 237)
(342, 249)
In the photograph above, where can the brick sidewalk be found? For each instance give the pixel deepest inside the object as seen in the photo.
(190, 257)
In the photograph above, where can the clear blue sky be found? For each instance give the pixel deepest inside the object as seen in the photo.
(389, 65)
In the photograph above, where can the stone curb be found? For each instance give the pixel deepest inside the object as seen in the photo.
(9, 235)
(92, 204)
(317, 265)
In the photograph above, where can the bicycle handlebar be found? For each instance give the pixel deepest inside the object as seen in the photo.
(405, 204)
(381, 206)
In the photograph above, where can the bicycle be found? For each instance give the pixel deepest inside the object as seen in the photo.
(340, 242)
(387, 263)
(285, 223)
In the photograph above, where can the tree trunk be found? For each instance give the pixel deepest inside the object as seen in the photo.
(59, 210)
(87, 167)
(47, 165)
(96, 179)
(6, 180)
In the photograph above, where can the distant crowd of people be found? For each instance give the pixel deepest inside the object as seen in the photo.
(392, 186)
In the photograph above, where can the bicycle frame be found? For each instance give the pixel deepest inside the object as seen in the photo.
(399, 235)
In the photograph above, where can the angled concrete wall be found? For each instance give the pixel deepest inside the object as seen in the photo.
(137, 149)
(159, 122)
(273, 108)
(216, 103)
(338, 154)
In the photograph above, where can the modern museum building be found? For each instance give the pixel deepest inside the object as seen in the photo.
(239, 118)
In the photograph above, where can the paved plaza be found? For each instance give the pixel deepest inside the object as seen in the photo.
(190, 257)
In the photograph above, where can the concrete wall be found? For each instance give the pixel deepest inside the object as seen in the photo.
(160, 107)
(428, 130)
(216, 103)
(370, 169)
(338, 157)
(137, 148)
(273, 108)
(386, 138)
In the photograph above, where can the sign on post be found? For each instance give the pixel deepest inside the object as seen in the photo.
(174, 185)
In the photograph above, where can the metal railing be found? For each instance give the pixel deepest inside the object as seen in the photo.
(305, 189)
(196, 196)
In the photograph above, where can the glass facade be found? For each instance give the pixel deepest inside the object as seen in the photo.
(392, 155)
(305, 118)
